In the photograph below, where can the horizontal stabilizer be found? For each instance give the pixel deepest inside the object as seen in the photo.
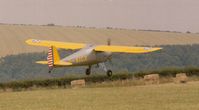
(60, 63)
(42, 62)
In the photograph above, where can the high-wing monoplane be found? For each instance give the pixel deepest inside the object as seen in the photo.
(86, 55)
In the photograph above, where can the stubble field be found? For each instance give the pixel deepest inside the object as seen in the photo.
(13, 37)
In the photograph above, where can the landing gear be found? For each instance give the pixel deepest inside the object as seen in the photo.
(101, 65)
(108, 72)
(88, 70)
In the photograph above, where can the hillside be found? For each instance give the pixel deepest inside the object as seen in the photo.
(23, 66)
(13, 37)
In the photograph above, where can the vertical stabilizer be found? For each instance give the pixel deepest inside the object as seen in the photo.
(53, 57)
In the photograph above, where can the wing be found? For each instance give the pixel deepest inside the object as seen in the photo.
(63, 45)
(125, 49)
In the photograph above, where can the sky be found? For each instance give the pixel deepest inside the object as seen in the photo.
(173, 15)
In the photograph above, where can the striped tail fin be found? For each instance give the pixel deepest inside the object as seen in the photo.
(53, 57)
(50, 59)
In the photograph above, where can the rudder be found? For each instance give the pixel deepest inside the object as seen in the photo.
(53, 56)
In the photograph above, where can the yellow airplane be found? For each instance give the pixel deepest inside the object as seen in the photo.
(87, 54)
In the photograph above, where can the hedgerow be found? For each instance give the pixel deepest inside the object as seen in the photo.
(65, 81)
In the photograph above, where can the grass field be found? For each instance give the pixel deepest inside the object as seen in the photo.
(150, 97)
(13, 37)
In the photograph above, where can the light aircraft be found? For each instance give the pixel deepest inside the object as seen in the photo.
(86, 55)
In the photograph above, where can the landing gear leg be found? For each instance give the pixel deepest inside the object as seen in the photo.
(88, 70)
(108, 72)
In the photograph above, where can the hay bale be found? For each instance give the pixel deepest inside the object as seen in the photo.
(151, 79)
(78, 83)
(181, 78)
(9, 90)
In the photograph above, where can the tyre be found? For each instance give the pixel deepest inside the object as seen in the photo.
(109, 73)
(88, 71)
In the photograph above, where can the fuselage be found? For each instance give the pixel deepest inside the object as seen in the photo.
(87, 56)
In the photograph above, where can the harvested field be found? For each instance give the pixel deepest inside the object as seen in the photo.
(151, 97)
(13, 37)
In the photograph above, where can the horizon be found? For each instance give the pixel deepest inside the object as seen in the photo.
(82, 27)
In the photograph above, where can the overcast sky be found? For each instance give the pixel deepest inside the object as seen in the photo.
(174, 15)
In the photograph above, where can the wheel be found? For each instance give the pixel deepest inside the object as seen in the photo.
(88, 71)
(109, 73)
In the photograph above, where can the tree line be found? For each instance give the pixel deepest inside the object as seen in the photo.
(23, 66)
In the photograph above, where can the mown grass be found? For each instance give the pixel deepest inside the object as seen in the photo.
(150, 97)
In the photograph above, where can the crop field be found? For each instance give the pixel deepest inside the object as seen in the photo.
(151, 97)
(13, 37)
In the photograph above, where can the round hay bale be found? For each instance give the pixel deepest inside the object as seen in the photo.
(151, 79)
(181, 78)
(78, 83)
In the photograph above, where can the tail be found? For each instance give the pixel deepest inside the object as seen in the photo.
(53, 56)
(52, 59)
